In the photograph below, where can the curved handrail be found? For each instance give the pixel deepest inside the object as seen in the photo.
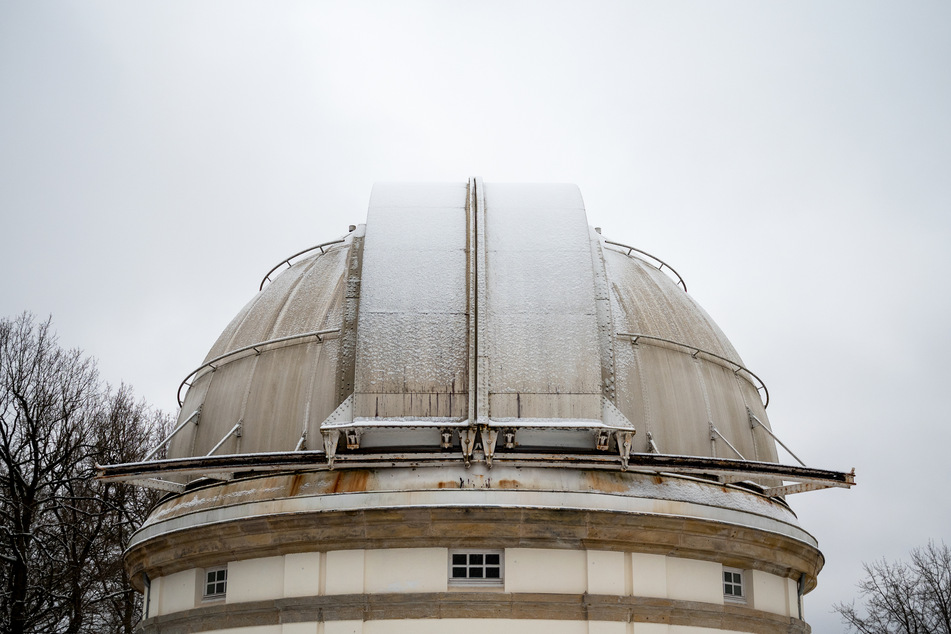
(732, 365)
(267, 278)
(679, 280)
(226, 357)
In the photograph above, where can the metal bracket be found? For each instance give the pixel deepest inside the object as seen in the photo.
(624, 441)
(613, 417)
(340, 416)
(651, 445)
(353, 438)
(330, 445)
(603, 440)
(467, 438)
(445, 437)
(489, 436)
(508, 434)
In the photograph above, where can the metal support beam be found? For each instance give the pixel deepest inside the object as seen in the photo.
(234, 431)
(195, 416)
(318, 460)
(161, 485)
(714, 432)
(755, 421)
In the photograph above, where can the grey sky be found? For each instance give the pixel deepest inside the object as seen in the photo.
(792, 160)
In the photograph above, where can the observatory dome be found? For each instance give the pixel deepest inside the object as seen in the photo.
(476, 408)
(566, 331)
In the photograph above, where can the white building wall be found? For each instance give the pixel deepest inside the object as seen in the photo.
(545, 570)
(300, 628)
(473, 626)
(342, 627)
(649, 574)
(302, 575)
(344, 572)
(769, 592)
(255, 580)
(792, 598)
(179, 591)
(529, 570)
(153, 597)
(607, 572)
(608, 627)
(406, 570)
(691, 580)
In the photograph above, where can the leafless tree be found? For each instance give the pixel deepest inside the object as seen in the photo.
(911, 597)
(62, 533)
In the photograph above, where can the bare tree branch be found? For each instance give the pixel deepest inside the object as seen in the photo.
(905, 597)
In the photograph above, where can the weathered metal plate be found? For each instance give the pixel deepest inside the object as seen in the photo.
(543, 355)
(411, 354)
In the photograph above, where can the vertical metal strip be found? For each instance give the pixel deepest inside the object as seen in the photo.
(346, 362)
(482, 362)
(471, 295)
(606, 330)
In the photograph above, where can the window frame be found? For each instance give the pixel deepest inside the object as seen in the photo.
(214, 596)
(737, 580)
(476, 581)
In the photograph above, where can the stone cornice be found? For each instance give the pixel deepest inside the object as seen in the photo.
(474, 527)
(456, 605)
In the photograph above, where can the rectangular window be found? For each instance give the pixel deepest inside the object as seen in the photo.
(471, 566)
(733, 585)
(216, 583)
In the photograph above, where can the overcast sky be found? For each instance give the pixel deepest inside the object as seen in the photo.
(792, 160)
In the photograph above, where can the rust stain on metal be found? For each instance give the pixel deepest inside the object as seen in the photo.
(295, 484)
(351, 481)
(508, 484)
(605, 482)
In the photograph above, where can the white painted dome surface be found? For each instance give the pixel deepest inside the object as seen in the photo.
(524, 306)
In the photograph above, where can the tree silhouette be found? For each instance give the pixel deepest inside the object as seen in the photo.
(911, 597)
(62, 533)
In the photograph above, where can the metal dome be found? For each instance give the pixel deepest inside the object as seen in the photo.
(510, 312)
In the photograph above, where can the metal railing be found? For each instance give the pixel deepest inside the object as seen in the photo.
(654, 261)
(257, 348)
(754, 380)
(267, 278)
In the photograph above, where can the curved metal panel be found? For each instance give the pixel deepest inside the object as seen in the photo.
(411, 354)
(272, 393)
(543, 354)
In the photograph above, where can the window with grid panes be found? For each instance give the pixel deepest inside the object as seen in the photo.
(216, 583)
(475, 566)
(733, 585)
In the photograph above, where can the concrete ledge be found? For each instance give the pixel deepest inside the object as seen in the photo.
(471, 605)
(477, 527)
